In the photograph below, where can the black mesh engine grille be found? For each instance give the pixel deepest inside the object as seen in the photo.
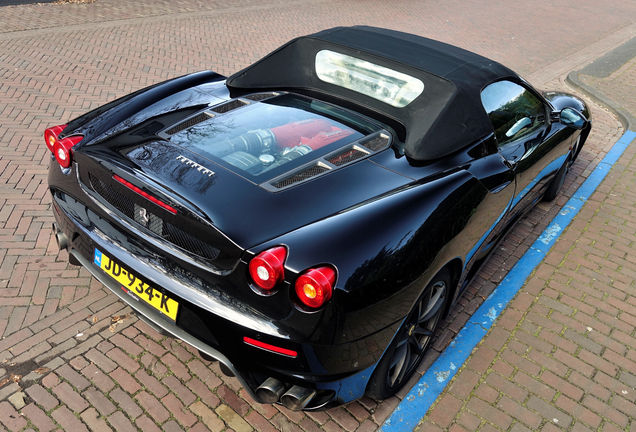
(227, 107)
(346, 157)
(377, 143)
(149, 220)
(304, 175)
(118, 201)
(260, 96)
(189, 123)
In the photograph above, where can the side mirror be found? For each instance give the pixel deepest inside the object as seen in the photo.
(572, 118)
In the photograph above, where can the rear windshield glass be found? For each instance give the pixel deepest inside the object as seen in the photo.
(262, 140)
(387, 85)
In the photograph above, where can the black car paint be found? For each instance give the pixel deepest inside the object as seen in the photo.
(378, 222)
(100, 120)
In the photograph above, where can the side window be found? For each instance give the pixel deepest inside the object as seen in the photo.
(513, 110)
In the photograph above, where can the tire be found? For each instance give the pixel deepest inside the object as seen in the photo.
(411, 341)
(555, 185)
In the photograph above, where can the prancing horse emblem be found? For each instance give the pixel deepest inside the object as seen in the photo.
(143, 215)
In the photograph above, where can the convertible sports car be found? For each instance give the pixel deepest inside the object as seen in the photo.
(308, 221)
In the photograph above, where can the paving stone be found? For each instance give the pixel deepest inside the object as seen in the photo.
(67, 420)
(97, 377)
(151, 383)
(42, 397)
(70, 397)
(125, 380)
(17, 400)
(99, 401)
(38, 418)
(179, 412)
(75, 379)
(145, 424)
(319, 417)
(92, 420)
(78, 363)
(176, 367)
(208, 417)
(154, 366)
(445, 411)
(126, 344)
(105, 346)
(231, 399)
(357, 410)
(177, 349)
(120, 423)
(204, 374)
(548, 411)
(519, 412)
(10, 418)
(232, 419)
(282, 422)
(150, 346)
(103, 362)
(200, 427)
(489, 413)
(260, 423)
(171, 426)
(126, 403)
(152, 406)
(343, 418)
(206, 396)
(123, 360)
(82, 347)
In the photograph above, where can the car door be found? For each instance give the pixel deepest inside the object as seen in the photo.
(525, 139)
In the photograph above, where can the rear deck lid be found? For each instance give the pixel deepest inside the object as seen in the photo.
(250, 169)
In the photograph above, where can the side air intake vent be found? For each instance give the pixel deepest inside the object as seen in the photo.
(377, 143)
(260, 96)
(301, 176)
(190, 122)
(229, 106)
(346, 157)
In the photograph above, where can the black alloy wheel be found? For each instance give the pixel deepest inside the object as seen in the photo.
(411, 341)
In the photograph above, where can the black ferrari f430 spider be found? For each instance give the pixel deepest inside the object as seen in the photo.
(310, 220)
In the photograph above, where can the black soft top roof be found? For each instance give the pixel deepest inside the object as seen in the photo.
(447, 115)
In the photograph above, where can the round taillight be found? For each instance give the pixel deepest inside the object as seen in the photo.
(268, 268)
(51, 134)
(63, 150)
(314, 287)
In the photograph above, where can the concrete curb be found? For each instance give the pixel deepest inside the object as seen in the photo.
(626, 118)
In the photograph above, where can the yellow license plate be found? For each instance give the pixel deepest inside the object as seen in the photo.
(135, 286)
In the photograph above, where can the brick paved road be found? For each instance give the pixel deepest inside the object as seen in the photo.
(85, 361)
(564, 354)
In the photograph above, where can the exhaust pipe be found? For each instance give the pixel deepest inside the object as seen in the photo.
(270, 391)
(297, 398)
(60, 237)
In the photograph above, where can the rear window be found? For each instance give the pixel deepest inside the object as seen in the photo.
(263, 140)
(387, 85)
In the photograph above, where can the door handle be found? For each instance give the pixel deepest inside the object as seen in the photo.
(510, 164)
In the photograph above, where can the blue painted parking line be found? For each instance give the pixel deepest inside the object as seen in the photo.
(417, 402)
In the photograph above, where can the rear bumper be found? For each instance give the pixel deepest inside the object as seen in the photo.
(156, 321)
(215, 323)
